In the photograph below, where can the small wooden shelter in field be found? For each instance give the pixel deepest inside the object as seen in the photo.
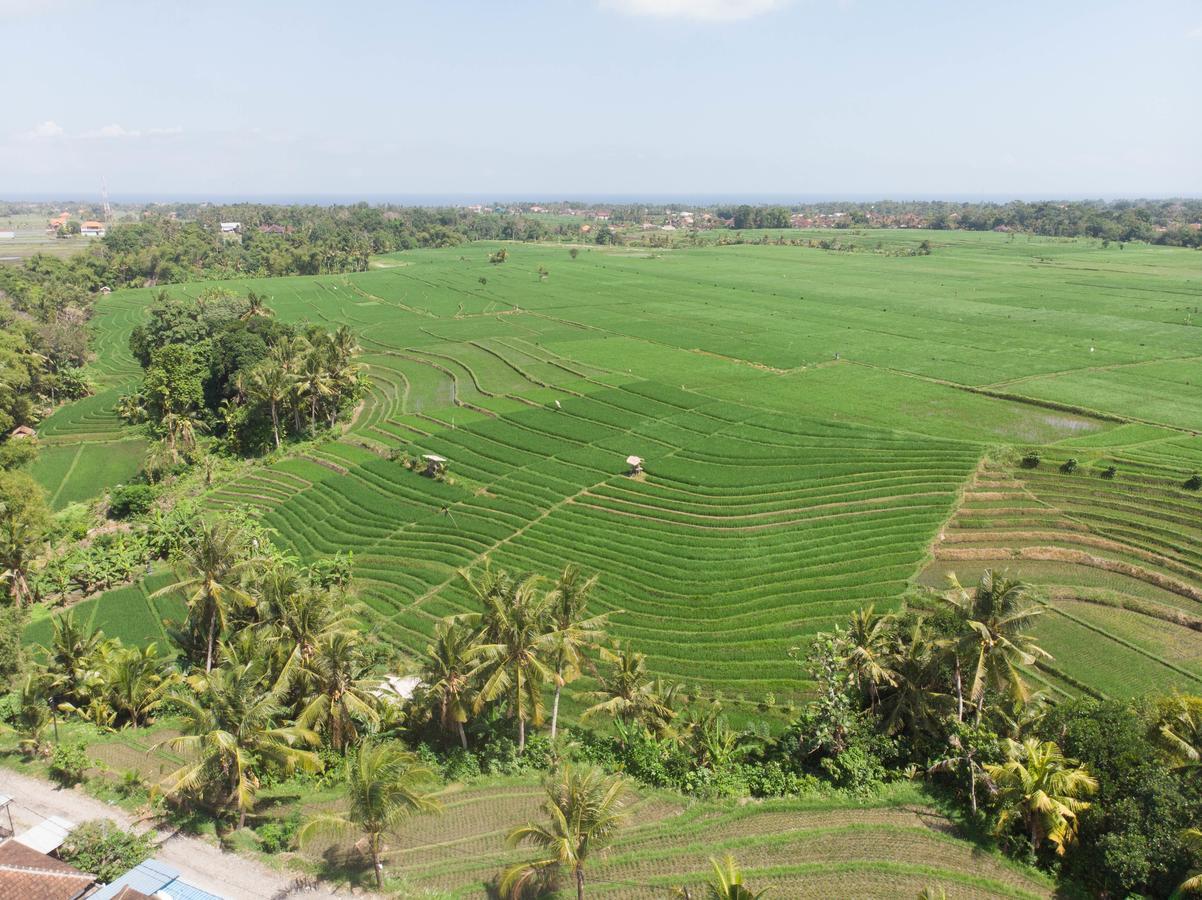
(23, 431)
(636, 465)
(435, 465)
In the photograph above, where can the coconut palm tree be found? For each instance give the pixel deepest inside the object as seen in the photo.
(137, 679)
(1040, 787)
(518, 640)
(384, 786)
(213, 569)
(271, 383)
(313, 385)
(961, 755)
(256, 306)
(23, 525)
(298, 617)
(866, 647)
(336, 678)
(1180, 730)
(584, 812)
(1192, 839)
(627, 691)
(230, 723)
(915, 703)
(448, 674)
(993, 616)
(73, 647)
(32, 713)
(180, 429)
(343, 345)
(727, 882)
(575, 630)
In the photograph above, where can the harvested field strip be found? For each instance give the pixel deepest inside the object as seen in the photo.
(462, 850)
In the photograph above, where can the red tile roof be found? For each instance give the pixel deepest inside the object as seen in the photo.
(26, 874)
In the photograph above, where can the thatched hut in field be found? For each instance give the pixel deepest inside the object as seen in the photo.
(636, 465)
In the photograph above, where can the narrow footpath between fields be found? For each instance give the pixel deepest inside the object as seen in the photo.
(200, 863)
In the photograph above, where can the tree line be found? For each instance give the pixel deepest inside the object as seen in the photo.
(221, 364)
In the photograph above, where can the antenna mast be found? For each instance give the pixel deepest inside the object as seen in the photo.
(104, 200)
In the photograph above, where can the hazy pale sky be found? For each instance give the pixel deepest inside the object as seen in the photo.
(555, 98)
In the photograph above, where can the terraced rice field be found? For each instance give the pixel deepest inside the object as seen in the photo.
(128, 613)
(1117, 558)
(809, 422)
(85, 448)
(801, 849)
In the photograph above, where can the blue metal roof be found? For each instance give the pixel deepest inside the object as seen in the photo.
(152, 877)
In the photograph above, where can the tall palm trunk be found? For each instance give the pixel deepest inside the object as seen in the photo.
(275, 424)
(579, 882)
(462, 734)
(521, 734)
(212, 637)
(376, 862)
(959, 692)
(555, 707)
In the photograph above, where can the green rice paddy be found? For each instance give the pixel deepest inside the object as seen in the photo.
(811, 422)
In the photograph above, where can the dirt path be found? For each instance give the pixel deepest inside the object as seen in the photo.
(200, 863)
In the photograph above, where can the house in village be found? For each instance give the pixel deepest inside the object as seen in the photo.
(92, 229)
(28, 874)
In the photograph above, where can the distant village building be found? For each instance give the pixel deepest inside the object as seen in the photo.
(7, 235)
(273, 229)
(92, 229)
(230, 227)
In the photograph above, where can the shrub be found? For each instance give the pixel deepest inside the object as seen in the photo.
(104, 850)
(131, 784)
(1069, 466)
(72, 523)
(1031, 459)
(278, 835)
(1109, 472)
(772, 779)
(130, 500)
(460, 765)
(68, 763)
(1194, 482)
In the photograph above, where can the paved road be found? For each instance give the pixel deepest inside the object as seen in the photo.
(200, 863)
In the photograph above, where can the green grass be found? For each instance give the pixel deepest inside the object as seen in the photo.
(785, 487)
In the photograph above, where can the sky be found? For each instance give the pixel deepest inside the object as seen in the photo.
(554, 99)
